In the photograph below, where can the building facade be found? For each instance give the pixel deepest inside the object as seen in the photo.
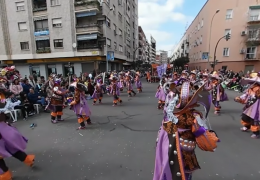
(152, 47)
(62, 36)
(142, 45)
(162, 56)
(239, 18)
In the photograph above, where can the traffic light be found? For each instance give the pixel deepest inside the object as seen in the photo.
(227, 36)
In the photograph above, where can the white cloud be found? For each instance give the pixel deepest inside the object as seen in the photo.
(154, 13)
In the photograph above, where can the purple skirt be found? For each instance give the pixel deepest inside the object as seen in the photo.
(160, 95)
(12, 140)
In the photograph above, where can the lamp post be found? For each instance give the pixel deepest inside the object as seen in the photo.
(227, 37)
(217, 11)
(105, 50)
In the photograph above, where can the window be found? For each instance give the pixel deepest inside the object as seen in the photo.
(43, 44)
(229, 14)
(120, 32)
(120, 48)
(254, 14)
(57, 22)
(251, 53)
(119, 2)
(201, 39)
(114, 9)
(198, 26)
(108, 42)
(22, 26)
(24, 45)
(227, 31)
(41, 25)
(114, 27)
(58, 43)
(253, 33)
(115, 45)
(20, 6)
(226, 52)
(120, 16)
(108, 22)
(202, 23)
(55, 2)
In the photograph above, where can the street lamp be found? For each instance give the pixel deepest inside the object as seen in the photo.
(217, 11)
(110, 9)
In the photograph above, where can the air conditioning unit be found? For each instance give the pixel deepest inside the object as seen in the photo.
(242, 51)
(243, 33)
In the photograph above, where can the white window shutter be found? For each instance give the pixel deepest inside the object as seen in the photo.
(56, 21)
(22, 26)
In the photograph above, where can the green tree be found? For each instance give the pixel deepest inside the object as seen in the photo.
(181, 62)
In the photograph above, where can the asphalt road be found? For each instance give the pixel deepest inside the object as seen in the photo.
(120, 145)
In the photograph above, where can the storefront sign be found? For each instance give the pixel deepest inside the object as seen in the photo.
(94, 52)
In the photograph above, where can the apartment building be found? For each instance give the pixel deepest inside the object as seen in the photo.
(142, 45)
(67, 36)
(162, 56)
(241, 19)
(152, 47)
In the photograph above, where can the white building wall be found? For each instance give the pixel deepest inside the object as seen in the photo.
(77, 68)
(59, 69)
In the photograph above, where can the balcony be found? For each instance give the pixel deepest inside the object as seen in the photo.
(39, 7)
(253, 19)
(41, 32)
(81, 5)
(253, 41)
(43, 50)
(88, 28)
(89, 46)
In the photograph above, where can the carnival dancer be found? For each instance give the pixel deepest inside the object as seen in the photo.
(121, 82)
(160, 95)
(115, 92)
(57, 101)
(12, 142)
(129, 85)
(148, 76)
(138, 83)
(80, 106)
(98, 95)
(182, 129)
(251, 98)
(217, 92)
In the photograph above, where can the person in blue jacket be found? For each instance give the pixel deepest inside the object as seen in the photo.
(35, 98)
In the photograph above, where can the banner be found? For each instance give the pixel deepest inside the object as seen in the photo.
(110, 56)
(159, 71)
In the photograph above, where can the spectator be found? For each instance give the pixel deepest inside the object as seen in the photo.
(29, 107)
(16, 87)
(26, 87)
(35, 98)
(21, 107)
(31, 81)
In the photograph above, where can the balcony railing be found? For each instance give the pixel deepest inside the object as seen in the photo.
(88, 28)
(89, 46)
(41, 32)
(87, 4)
(43, 50)
(253, 18)
(39, 8)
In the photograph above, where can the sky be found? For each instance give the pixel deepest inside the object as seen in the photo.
(167, 20)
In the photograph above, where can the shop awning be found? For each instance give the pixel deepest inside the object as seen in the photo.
(42, 38)
(86, 37)
(85, 14)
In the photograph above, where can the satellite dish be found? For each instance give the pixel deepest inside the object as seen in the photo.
(74, 45)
